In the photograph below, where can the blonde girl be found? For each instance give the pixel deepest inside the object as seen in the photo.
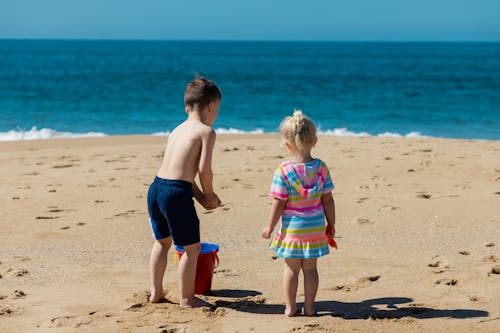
(302, 198)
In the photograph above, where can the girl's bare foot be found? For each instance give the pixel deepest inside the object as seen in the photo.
(155, 296)
(292, 312)
(310, 312)
(195, 302)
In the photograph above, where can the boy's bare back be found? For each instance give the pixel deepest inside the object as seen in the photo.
(187, 144)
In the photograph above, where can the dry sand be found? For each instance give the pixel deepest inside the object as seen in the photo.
(417, 228)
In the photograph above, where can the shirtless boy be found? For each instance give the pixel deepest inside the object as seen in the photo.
(170, 196)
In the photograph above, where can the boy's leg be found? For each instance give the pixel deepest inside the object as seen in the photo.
(157, 266)
(311, 281)
(290, 283)
(187, 274)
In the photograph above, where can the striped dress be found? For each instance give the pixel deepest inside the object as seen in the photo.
(302, 233)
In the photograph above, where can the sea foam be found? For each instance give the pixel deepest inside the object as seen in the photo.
(48, 133)
(44, 133)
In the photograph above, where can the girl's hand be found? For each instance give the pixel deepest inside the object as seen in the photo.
(266, 233)
(330, 230)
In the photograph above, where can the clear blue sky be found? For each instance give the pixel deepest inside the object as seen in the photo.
(365, 20)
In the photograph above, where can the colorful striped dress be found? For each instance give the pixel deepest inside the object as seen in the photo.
(302, 233)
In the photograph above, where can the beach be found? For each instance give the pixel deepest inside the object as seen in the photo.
(417, 230)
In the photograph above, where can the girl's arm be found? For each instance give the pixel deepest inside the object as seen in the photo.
(329, 207)
(277, 208)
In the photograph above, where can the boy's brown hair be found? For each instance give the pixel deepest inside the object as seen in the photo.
(200, 92)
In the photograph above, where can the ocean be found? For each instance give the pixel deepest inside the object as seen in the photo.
(67, 88)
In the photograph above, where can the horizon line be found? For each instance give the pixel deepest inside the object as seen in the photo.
(245, 40)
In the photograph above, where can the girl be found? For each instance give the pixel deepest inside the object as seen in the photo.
(301, 191)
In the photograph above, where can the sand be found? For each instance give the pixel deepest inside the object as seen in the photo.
(417, 228)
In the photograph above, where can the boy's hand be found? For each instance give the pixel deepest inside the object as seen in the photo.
(211, 201)
(266, 233)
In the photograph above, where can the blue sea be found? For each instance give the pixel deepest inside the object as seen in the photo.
(66, 88)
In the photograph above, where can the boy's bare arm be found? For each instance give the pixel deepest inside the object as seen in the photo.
(198, 194)
(205, 170)
(205, 165)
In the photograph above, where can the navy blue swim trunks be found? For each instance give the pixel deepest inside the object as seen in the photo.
(172, 212)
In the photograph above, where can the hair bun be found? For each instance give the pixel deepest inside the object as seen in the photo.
(297, 113)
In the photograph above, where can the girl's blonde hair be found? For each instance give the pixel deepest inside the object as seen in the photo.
(299, 130)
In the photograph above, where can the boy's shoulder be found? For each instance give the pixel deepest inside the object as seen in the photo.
(193, 129)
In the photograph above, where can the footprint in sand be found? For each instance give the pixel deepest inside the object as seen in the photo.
(16, 272)
(464, 252)
(31, 174)
(69, 321)
(495, 270)
(46, 217)
(5, 311)
(231, 149)
(477, 299)
(490, 245)
(18, 294)
(369, 187)
(80, 224)
(228, 272)
(439, 263)
(365, 221)
(58, 210)
(424, 195)
(388, 208)
(491, 258)
(447, 282)
(60, 166)
(361, 200)
(275, 157)
(360, 283)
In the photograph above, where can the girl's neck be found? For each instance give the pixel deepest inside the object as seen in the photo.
(302, 157)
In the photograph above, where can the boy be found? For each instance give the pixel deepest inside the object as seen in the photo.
(170, 204)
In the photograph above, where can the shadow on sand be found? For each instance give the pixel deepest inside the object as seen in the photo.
(393, 307)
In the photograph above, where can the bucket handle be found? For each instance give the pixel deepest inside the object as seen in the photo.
(216, 258)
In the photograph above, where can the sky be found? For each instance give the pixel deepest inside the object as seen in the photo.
(309, 20)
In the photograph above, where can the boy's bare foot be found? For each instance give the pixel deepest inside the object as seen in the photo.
(292, 312)
(155, 296)
(195, 302)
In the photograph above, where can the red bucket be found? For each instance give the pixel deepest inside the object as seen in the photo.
(207, 261)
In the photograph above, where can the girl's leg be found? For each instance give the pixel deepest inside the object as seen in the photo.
(311, 280)
(290, 283)
(157, 266)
